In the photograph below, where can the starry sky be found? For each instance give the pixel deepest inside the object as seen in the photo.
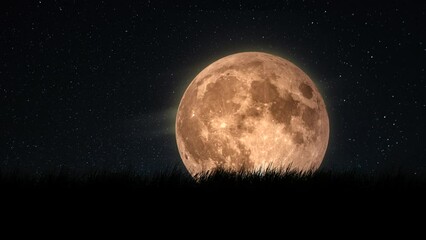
(95, 85)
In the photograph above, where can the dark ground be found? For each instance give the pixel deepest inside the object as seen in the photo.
(222, 203)
(273, 186)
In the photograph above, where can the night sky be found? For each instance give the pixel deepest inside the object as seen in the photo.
(91, 85)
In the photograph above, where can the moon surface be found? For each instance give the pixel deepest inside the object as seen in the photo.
(252, 111)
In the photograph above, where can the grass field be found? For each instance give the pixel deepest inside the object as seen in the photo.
(176, 192)
(220, 181)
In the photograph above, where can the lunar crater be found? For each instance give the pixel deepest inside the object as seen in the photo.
(306, 90)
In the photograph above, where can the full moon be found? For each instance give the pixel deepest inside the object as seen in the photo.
(252, 111)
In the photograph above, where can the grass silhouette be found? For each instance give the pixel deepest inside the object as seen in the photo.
(177, 192)
(220, 180)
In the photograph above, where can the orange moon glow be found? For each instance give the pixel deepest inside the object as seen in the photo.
(252, 111)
